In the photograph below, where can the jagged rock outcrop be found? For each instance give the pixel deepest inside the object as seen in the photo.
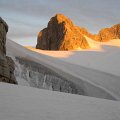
(104, 34)
(61, 34)
(107, 34)
(6, 63)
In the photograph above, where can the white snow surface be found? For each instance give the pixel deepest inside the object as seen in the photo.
(105, 78)
(26, 103)
(103, 56)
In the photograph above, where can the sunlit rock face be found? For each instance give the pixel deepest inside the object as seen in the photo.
(104, 34)
(61, 34)
(36, 75)
(107, 34)
(6, 63)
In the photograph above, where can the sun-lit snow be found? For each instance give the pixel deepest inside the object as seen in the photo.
(102, 56)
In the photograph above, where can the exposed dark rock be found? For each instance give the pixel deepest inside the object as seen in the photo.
(107, 34)
(6, 63)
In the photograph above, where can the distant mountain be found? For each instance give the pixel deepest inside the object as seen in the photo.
(62, 34)
(107, 34)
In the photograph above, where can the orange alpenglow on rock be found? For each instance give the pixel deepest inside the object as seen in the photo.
(107, 34)
(61, 34)
(104, 34)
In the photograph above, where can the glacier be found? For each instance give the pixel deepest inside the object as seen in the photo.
(42, 71)
(36, 75)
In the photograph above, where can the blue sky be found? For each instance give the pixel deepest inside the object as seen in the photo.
(27, 17)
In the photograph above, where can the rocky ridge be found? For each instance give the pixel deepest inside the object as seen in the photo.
(107, 34)
(6, 63)
(62, 34)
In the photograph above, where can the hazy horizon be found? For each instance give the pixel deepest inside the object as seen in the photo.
(27, 17)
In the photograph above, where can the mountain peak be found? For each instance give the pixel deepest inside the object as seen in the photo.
(4, 23)
(107, 34)
(62, 18)
(61, 34)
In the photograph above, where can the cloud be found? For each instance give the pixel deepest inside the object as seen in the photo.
(28, 17)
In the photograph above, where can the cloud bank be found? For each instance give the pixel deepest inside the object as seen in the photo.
(27, 17)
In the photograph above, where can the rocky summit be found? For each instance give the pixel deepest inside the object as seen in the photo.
(6, 63)
(107, 34)
(61, 34)
(104, 34)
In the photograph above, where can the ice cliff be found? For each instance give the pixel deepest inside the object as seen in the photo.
(36, 75)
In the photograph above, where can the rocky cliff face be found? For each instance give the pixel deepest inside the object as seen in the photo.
(61, 34)
(6, 63)
(104, 34)
(3, 31)
(107, 34)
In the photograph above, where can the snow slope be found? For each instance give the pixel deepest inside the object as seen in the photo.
(103, 84)
(25, 103)
(103, 56)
